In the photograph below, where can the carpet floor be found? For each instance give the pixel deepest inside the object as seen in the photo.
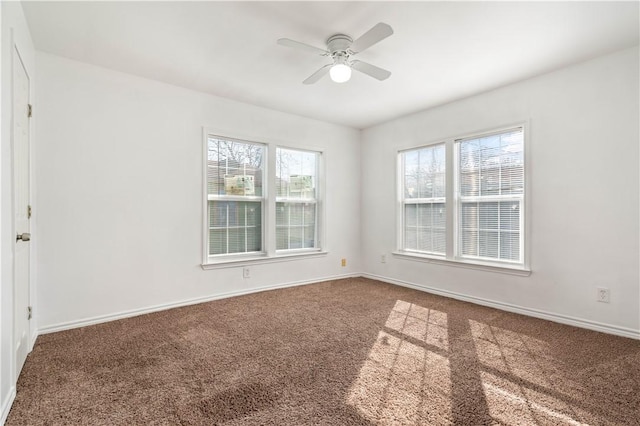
(345, 352)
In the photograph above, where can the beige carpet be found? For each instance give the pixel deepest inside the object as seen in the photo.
(348, 352)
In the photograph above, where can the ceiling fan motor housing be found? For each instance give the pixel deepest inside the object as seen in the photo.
(339, 43)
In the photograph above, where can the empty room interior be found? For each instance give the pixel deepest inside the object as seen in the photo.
(320, 213)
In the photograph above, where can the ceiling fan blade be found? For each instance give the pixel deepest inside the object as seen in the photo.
(372, 70)
(378, 33)
(318, 74)
(302, 46)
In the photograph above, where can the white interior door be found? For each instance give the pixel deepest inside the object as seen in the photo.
(22, 210)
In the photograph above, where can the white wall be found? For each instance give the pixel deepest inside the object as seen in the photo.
(119, 193)
(583, 200)
(14, 31)
(119, 169)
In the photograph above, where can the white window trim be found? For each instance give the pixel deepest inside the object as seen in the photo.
(469, 264)
(268, 253)
(276, 258)
(452, 207)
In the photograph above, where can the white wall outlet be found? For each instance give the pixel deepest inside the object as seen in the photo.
(383, 258)
(602, 295)
(246, 273)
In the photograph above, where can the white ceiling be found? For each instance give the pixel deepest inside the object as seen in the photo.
(441, 51)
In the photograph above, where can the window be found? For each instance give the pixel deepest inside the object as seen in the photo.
(491, 188)
(235, 196)
(296, 203)
(423, 199)
(262, 202)
(484, 175)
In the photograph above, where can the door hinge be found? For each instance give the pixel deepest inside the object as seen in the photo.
(29, 312)
(28, 212)
(29, 110)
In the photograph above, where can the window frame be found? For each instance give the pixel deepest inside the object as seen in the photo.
(453, 202)
(268, 254)
(262, 199)
(315, 201)
(460, 199)
(418, 201)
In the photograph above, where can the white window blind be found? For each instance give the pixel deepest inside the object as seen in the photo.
(423, 199)
(491, 195)
(296, 199)
(463, 200)
(235, 196)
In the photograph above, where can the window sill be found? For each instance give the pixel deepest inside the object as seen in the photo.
(260, 259)
(482, 266)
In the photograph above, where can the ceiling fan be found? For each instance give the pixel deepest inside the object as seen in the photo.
(340, 48)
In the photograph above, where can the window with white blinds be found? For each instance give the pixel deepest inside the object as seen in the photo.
(423, 200)
(263, 201)
(296, 199)
(463, 200)
(235, 196)
(491, 195)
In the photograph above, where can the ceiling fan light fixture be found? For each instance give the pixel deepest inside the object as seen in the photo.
(340, 48)
(340, 73)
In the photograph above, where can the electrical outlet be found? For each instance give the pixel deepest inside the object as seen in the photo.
(246, 273)
(603, 295)
(344, 262)
(383, 258)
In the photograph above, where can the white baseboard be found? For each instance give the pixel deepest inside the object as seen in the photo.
(562, 319)
(6, 405)
(559, 318)
(135, 312)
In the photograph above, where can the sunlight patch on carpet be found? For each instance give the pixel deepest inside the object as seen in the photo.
(423, 324)
(507, 399)
(512, 353)
(520, 376)
(406, 379)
